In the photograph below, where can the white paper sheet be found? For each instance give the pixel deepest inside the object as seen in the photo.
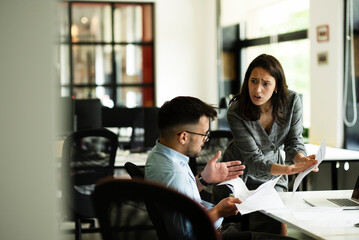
(238, 187)
(319, 157)
(265, 197)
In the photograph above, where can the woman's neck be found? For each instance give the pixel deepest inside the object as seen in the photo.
(267, 108)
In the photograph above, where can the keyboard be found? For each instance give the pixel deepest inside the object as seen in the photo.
(344, 202)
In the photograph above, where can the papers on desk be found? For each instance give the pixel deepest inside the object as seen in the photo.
(319, 157)
(265, 197)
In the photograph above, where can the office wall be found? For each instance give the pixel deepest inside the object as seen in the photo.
(327, 79)
(186, 50)
(27, 172)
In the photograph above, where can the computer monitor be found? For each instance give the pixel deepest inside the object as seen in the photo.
(88, 114)
(142, 120)
(121, 117)
(152, 133)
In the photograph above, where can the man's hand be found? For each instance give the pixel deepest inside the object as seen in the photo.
(226, 207)
(215, 172)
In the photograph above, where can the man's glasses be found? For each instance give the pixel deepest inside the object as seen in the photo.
(205, 135)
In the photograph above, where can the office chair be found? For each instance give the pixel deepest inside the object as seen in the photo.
(87, 156)
(134, 171)
(112, 195)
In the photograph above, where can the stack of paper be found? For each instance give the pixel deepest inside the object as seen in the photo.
(265, 197)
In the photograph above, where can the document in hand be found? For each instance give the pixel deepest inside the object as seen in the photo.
(265, 197)
(319, 157)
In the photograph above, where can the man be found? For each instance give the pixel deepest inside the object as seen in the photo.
(184, 128)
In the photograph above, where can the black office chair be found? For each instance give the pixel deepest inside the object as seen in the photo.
(112, 195)
(137, 173)
(134, 171)
(87, 156)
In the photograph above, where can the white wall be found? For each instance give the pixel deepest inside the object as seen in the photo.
(186, 50)
(327, 80)
(27, 172)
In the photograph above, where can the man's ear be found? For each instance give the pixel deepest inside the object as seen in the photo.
(182, 137)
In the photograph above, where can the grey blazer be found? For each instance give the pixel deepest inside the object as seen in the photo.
(259, 151)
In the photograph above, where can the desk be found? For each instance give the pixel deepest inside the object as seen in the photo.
(334, 155)
(126, 156)
(331, 224)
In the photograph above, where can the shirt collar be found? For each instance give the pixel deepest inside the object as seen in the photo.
(176, 156)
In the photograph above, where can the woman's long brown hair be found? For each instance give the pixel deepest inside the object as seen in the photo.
(279, 100)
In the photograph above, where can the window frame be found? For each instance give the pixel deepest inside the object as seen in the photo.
(113, 86)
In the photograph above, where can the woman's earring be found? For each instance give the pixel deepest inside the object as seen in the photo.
(275, 91)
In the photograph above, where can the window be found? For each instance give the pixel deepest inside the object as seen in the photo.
(107, 52)
(278, 28)
(268, 18)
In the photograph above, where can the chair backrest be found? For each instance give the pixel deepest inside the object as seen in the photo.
(134, 171)
(112, 194)
(87, 156)
(218, 141)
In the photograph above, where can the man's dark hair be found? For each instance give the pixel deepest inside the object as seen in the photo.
(183, 110)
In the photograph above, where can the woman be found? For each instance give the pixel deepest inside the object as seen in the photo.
(265, 117)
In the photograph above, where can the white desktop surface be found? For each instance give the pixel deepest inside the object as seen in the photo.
(319, 223)
(123, 156)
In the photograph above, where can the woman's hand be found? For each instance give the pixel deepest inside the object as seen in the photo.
(300, 158)
(301, 163)
(301, 166)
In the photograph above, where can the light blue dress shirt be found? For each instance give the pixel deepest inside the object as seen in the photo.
(171, 168)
